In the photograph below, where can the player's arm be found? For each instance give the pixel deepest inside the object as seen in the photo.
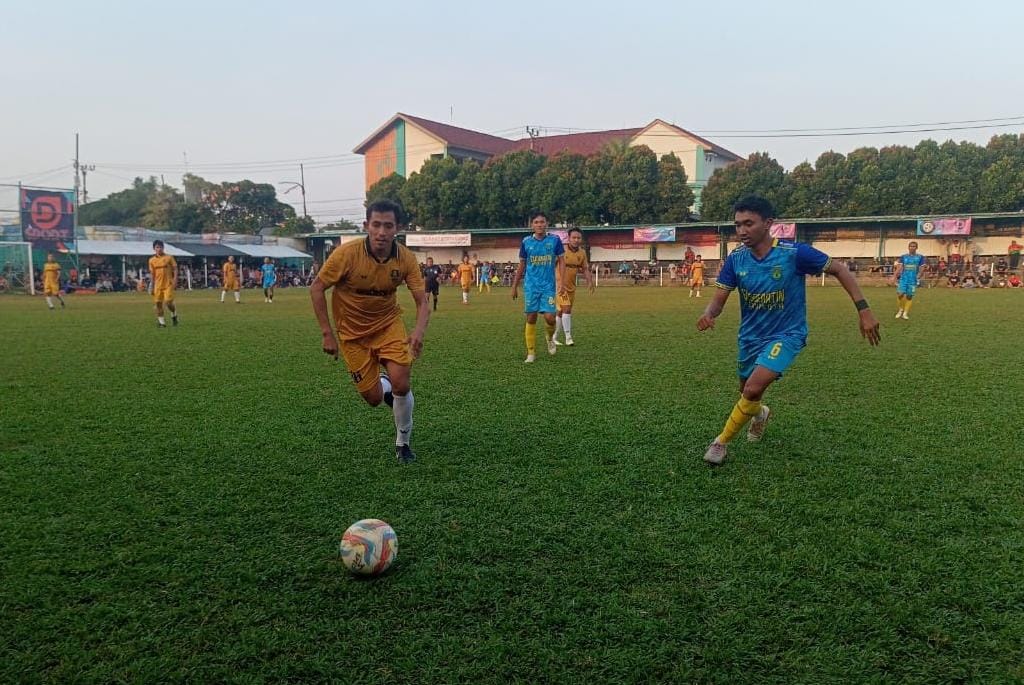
(422, 319)
(714, 309)
(174, 272)
(560, 274)
(518, 278)
(317, 293)
(868, 322)
(587, 271)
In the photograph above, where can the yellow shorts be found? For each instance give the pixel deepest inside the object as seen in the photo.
(466, 284)
(364, 355)
(51, 289)
(231, 284)
(566, 299)
(697, 282)
(164, 293)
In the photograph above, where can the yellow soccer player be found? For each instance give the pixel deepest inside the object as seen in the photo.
(365, 274)
(466, 277)
(696, 275)
(164, 272)
(575, 262)
(51, 281)
(231, 282)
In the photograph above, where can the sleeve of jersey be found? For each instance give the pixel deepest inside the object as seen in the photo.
(559, 247)
(174, 263)
(333, 270)
(727, 276)
(413, 277)
(810, 260)
(522, 251)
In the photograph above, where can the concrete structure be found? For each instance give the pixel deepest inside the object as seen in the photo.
(404, 143)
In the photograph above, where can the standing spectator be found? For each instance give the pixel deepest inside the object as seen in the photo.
(689, 256)
(673, 272)
(1014, 253)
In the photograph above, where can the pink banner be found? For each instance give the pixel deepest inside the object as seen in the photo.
(944, 226)
(784, 231)
(654, 234)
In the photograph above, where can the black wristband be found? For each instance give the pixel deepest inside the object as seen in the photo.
(861, 305)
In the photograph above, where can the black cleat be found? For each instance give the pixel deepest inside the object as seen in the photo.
(405, 454)
(174, 320)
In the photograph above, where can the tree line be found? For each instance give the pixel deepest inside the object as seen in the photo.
(629, 185)
(204, 207)
(619, 185)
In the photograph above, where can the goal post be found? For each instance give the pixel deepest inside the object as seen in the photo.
(16, 273)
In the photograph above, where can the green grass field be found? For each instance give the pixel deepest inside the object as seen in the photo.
(171, 500)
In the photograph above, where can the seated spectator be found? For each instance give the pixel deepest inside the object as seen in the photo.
(1014, 281)
(953, 279)
(984, 279)
(1001, 266)
(1000, 281)
(969, 281)
(876, 268)
(942, 266)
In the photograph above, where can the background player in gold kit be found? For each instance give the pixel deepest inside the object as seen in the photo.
(231, 282)
(164, 272)
(575, 262)
(51, 281)
(365, 275)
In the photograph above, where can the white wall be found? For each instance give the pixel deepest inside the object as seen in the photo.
(664, 139)
(677, 251)
(419, 146)
(604, 254)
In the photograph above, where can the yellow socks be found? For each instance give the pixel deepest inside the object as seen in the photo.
(531, 338)
(902, 300)
(906, 305)
(549, 329)
(741, 413)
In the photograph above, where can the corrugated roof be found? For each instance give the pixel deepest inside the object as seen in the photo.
(272, 251)
(132, 248)
(208, 249)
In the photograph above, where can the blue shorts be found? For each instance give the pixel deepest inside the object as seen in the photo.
(542, 301)
(906, 288)
(776, 355)
(268, 284)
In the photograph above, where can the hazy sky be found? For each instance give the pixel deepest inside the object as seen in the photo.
(249, 89)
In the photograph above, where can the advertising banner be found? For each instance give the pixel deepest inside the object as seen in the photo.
(944, 226)
(48, 219)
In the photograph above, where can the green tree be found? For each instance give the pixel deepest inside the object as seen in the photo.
(387, 188)
(244, 206)
(123, 208)
(759, 174)
(296, 225)
(505, 188)
(421, 196)
(558, 188)
(674, 195)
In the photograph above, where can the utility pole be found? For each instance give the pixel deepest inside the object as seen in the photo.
(533, 132)
(302, 180)
(86, 168)
(75, 161)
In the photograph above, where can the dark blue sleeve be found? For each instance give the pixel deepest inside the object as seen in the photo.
(810, 260)
(522, 251)
(559, 247)
(727, 276)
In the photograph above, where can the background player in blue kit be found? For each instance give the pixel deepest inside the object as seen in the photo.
(542, 260)
(269, 279)
(908, 270)
(769, 275)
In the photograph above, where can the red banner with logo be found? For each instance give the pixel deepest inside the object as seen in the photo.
(48, 219)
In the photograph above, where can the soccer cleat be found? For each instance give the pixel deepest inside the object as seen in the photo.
(558, 343)
(716, 453)
(568, 341)
(389, 397)
(405, 454)
(899, 313)
(755, 431)
(62, 304)
(551, 346)
(161, 325)
(174, 320)
(530, 358)
(906, 317)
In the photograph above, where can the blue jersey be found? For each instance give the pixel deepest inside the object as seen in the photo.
(541, 258)
(773, 301)
(485, 272)
(912, 264)
(268, 273)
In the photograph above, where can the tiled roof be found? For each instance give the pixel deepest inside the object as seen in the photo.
(580, 143)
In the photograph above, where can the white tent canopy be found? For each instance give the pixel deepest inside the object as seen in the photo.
(130, 248)
(272, 251)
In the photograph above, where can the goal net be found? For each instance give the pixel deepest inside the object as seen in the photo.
(16, 268)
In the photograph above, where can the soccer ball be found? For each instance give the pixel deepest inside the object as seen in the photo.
(369, 547)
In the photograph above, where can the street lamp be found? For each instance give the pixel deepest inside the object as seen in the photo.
(301, 185)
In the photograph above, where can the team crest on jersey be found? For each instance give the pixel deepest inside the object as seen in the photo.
(777, 273)
(396, 276)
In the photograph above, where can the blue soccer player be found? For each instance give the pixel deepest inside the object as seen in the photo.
(908, 269)
(269, 279)
(769, 274)
(542, 259)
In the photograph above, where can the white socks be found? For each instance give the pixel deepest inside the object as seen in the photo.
(558, 325)
(222, 294)
(567, 324)
(465, 297)
(160, 320)
(238, 296)
(49, 301)
(403, 418)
